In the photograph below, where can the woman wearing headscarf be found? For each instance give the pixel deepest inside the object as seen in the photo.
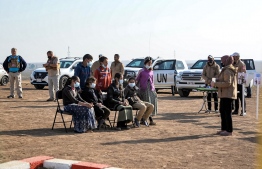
(83, 112)
(227, 92)
(145, 82)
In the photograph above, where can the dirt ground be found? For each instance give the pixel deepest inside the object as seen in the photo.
(181, 139)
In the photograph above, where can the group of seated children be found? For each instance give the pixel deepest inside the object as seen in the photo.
(89, 106)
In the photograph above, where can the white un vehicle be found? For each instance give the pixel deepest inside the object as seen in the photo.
(190, 79)
(39, 76)
(165, 71)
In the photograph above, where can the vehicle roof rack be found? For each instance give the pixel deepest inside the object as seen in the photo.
(70, 58)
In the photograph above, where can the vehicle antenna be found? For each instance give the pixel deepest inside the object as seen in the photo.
(68, 52)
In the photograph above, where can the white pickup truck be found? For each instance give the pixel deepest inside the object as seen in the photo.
(190, 79)
(165, 71)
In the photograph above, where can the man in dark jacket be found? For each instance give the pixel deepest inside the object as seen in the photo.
(83, 70)
(14, 65)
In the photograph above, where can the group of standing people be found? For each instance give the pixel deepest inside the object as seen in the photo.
(83, 94)
(229, 91)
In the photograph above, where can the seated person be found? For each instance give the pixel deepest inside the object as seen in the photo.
(145, 108)
(83, 116)
(103, 75)
(116, 101)
(91, 95)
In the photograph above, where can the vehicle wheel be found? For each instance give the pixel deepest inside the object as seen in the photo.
(183, 93)
(62, 82)
(4, 80)
(39, 86)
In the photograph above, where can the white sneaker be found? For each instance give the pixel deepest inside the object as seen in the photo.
(207, 111)
(216, 111)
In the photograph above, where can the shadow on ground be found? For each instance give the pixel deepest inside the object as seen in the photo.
(171, 139)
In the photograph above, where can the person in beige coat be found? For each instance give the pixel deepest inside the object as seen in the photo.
(117, 66)
(211, 70)
(227, 92)
(241, 68)
(95, 65)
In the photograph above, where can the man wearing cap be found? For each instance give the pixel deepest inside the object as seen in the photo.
(241, 68)
(211, 70)
(95, 65)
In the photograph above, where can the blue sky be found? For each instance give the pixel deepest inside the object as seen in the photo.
(191, 29)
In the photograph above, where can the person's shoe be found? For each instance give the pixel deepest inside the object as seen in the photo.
(219, 132)
(235, 112)
(100, 123)
(151, 123)
(50, 99)
(225, 133)
(125, 128)
(248, 96)
(20, 97)
(216, 111)
(207, 111)
(241, 114)
(10, 96)
(136, 123)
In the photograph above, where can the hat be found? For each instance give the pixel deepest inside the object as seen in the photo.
(210, 57)
(100, 55)
(235, 54)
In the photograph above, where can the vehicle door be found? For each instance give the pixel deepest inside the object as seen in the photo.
(251, 70)
(164, 73)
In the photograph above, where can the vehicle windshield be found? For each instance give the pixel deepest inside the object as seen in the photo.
(249, 64)
(65, 64)
(137, 63)
(201, 63)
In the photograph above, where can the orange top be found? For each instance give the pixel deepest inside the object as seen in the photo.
(103, 78)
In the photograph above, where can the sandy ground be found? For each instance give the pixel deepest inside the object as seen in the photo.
(181, 139)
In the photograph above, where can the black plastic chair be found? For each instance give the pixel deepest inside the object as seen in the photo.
(61, 111)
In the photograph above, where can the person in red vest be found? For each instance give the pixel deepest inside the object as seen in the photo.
(103, 75)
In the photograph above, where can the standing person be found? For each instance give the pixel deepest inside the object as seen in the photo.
(83, 117)
(145, 81)
(103, 75)
(211, 70)
(95, 65)
(14, 65)
(116, 101)
(91, 95)
(145, 108)
(227, 91)
(52, 67)
(117, 66)
(241, 68)
(83, 70)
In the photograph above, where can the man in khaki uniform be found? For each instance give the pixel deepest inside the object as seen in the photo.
(52, 67)
(241, 68)
(211, 70)
(14, 65)
(117, 66)
(95, 65)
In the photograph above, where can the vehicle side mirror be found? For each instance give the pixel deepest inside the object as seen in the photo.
(73, 67)
(156, 67)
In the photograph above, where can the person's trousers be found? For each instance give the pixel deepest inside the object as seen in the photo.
(15, 78)
(145, 109)
(209, 95)
(53, 85)
(239, 97)
(101, 112)
(225, 114)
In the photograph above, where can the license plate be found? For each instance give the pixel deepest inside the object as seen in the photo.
(38, 80)
(191, 83)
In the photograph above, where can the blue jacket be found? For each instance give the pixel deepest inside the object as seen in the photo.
(83, 73)
(23, 64)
